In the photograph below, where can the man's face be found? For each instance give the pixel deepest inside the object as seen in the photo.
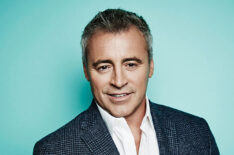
(118, 70)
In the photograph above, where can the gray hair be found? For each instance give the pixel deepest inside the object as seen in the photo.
(113, 21)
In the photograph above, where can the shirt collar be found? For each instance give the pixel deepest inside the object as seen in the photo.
(147, 118)
(110, 120)
(113, 122)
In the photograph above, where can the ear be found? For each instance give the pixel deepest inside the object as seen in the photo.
(86, 71)
(151, 69)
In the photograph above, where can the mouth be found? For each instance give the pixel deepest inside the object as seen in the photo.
(119, 97)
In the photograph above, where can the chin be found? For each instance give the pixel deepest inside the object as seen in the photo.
(121, 113)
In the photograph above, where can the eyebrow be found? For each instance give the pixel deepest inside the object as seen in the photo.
(132, 59)
(95, 64)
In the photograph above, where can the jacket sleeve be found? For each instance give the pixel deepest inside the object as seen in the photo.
(39, 149)
(213, 146)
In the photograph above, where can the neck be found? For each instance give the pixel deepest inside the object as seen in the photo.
(135, 119)
(134, 122)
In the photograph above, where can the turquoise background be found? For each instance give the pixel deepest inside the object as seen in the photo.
(42, 85)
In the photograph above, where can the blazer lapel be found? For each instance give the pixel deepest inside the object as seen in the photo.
(165, 131)
(95, 133)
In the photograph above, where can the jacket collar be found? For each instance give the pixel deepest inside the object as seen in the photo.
(95, 133)
(165, 131)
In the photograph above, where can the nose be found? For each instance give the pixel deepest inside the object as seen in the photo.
(118, 79)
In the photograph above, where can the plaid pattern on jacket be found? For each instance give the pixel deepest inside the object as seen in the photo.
(178, 133)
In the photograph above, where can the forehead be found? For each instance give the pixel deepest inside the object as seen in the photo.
(125, 43)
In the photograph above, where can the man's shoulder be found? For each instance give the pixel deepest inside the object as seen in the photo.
(70, 132)
(192, 132)
(172, 113)
(182, 120)
(71, 126)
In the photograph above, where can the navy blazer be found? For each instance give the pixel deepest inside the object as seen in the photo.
(178, 133)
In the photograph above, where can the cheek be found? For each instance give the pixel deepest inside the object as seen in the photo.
(139, 77)
(98, 82)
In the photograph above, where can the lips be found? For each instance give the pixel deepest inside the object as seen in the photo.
(118, 94)
(119, 97)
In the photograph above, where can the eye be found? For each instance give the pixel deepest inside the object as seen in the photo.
(131, 66)
(103, 68)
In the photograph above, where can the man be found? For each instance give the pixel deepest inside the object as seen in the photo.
(117, 61)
